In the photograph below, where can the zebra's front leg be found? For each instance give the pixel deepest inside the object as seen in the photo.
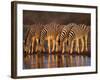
(77, 46)
(82, 48)
(86, 39)
(54, 43)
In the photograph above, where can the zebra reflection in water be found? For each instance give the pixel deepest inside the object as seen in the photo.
(55, 61)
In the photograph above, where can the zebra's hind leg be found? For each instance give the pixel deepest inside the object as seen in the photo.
(63, 50)
(68, 46)
(29, 51)
(71, 49)
(43, 49)
(56, 46)
(49, 47)
(86, 39)
(32, 45)
(82, 48)
(37, 45)
(77, 46)
(54, 43)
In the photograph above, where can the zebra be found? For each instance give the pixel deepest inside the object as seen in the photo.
(49, 33)
(26, 41)
(32, 39)
(35, 32)
(85, 30)
(59, 29)
(64, 36)
(78, 32)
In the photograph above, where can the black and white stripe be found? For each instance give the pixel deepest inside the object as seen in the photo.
(78, 33)
(49, 33)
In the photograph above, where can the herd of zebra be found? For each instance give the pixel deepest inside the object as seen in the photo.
(53, 37)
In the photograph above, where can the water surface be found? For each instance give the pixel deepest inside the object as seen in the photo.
(55, 60)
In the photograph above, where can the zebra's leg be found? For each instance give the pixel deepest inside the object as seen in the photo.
(32, 46)
(43, 49)
(82, 41)
(33, 40)
(63, 48)
(72, 44)
(77, 45)
(56, 46)
(86, 38)
(37, 41)
(69, 46)
(29, 48)
(66, 45)
(29, 51)
(54, 43)
(49, 45)
(26, 50)
(57, 43)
